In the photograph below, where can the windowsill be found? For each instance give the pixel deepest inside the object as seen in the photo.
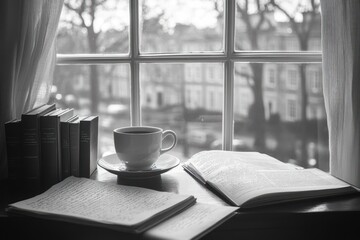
(320, 217)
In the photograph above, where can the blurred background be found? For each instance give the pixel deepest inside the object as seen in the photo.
(278, 107)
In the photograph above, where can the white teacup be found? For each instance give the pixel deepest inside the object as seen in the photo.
(139, 147)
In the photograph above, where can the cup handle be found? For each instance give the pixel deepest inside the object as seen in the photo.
(165, 134)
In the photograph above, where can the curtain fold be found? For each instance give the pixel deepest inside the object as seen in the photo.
(341, 81)
(28, 56)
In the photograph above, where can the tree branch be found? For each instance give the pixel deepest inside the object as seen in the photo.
(245, 15)
(262, 15)
(248, 77)
(79, 11)
(291, 19)
(98, 3)
(68, 6)
(315, 8)
(72, 23)
(92, 11)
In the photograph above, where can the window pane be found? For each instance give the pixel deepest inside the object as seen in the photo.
(181, 25)
(279, 109)
(94, 27)
(186, 98)
(278, 25)
(108, 96)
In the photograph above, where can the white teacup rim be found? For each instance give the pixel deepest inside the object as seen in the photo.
(129, 130)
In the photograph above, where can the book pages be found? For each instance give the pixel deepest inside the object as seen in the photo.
(106, 203)
(251, 178)
(266, 182)
(210, 163)
(193, 223)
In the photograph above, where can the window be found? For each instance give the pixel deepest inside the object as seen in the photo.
(193, 72)
(315, 80)
(271, 104)
(214, 98)
(271, 77)
(291, 108)
(292, 79)
(219, 68)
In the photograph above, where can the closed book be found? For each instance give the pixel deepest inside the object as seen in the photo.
(88, 145)
(31, 141)
(74, 129)
(65, 146)
(51, 145)
(13, 136)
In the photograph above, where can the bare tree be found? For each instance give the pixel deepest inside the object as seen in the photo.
(86, 10)
(309, 10)
(255, 22)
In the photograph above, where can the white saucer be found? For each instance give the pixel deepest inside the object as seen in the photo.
(112, 164)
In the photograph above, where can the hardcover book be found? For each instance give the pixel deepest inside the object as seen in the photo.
(51, 145)
(31, 141)
(65, 147)
(74, 128)
(13, 136)
(88, 145)
(89, 202)
(251, 179)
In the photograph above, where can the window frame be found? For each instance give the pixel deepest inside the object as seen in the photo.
(228, 57)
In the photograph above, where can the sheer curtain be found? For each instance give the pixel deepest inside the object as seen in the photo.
(341, 73)
(28, 55)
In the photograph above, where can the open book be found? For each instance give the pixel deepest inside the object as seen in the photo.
(159, 215)
(251, 179)
(123, 208)
(192, 223)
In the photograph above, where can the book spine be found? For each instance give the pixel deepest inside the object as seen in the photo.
(84, 160)
(93, 145)
(31, 147)
(49, 132)
(65, 149)
(13, 136)
(88, 146)
(74, 130)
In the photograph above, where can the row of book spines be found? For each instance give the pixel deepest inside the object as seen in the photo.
(61, 162)
(24, 150)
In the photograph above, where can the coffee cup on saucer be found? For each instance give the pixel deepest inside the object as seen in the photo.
(139, 147)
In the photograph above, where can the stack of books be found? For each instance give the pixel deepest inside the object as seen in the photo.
(49, 144)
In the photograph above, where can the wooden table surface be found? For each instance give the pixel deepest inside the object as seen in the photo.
(308, 219)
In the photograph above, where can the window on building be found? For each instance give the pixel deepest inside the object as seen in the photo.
(271, 104)
(292, 79)
(213, 98)
(291, 109)
(193, 72)
(168, 64)
(315, 81)
(271, 78)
